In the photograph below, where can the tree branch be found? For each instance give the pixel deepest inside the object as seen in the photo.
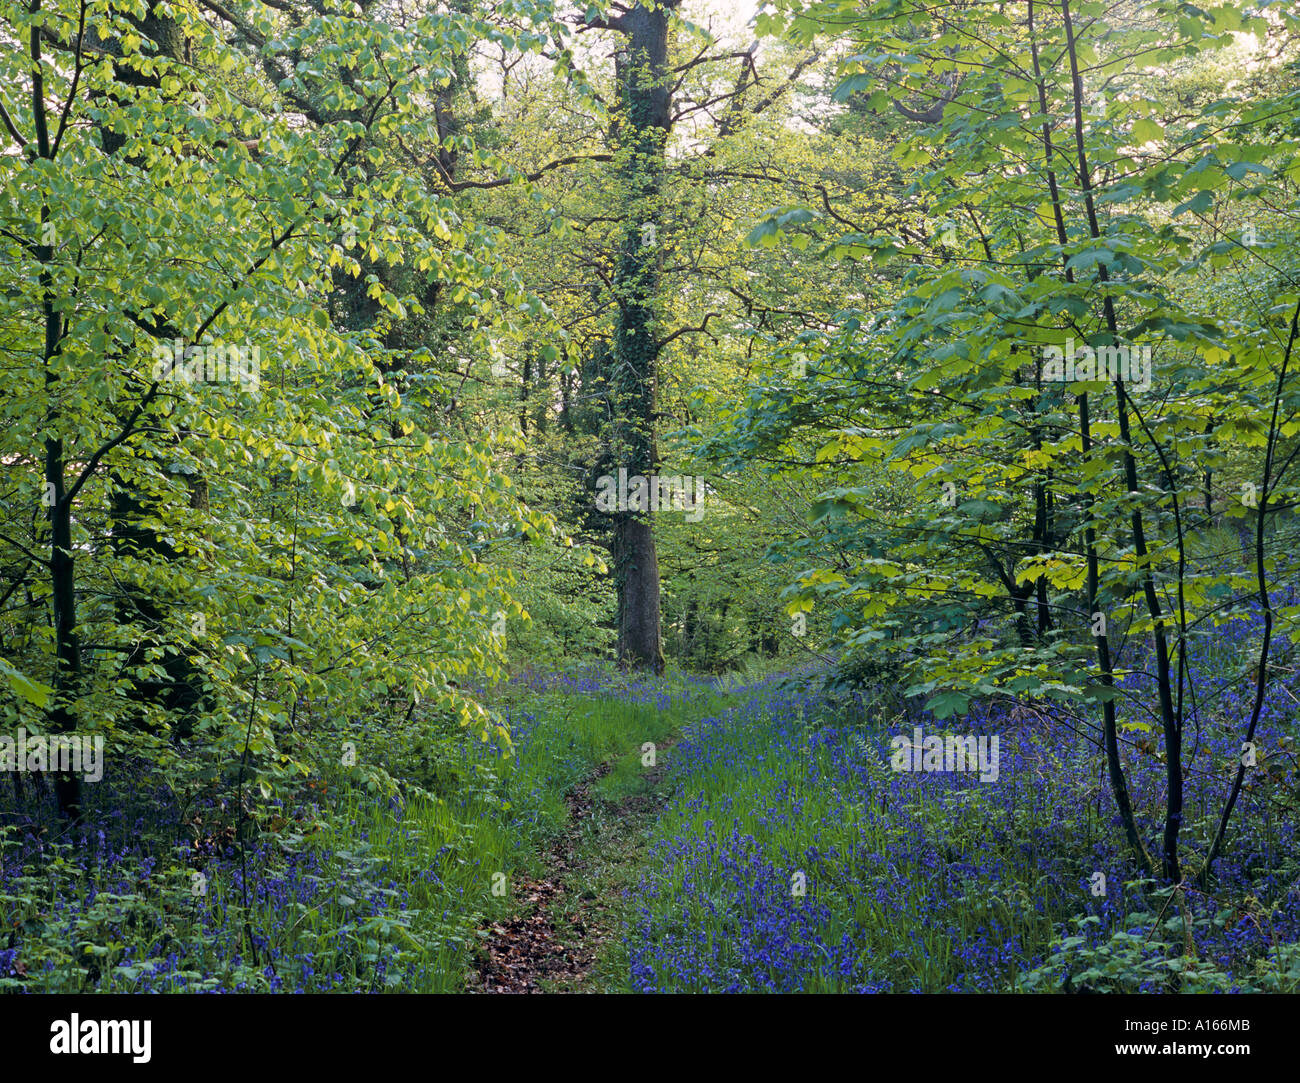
(536, 174)
(702, 329)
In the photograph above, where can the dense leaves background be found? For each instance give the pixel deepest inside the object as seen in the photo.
(343, 612)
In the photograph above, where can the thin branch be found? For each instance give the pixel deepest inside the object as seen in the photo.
(76, 78)
(23, 141)
(702, 329)
(24, 550)
(536, 174)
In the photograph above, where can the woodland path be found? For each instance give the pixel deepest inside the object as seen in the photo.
(567, 935)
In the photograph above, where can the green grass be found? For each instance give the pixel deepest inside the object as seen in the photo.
(477, 813)
(507, 825)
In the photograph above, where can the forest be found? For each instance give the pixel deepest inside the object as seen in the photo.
(649, 496)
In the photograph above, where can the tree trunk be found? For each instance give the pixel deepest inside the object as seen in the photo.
(1110, 729)
(1170, 717)
(640, 132)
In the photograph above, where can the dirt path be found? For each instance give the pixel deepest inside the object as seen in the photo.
(568, 936)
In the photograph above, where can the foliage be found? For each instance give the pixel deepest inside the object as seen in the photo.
(321, 324)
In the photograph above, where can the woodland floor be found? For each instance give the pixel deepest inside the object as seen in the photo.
(567, 937)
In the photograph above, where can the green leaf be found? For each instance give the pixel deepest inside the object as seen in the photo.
(32, 691)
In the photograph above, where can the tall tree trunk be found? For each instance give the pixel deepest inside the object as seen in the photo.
(640, 134)
(1105, 664)
(57, 500)
(1170, 717)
